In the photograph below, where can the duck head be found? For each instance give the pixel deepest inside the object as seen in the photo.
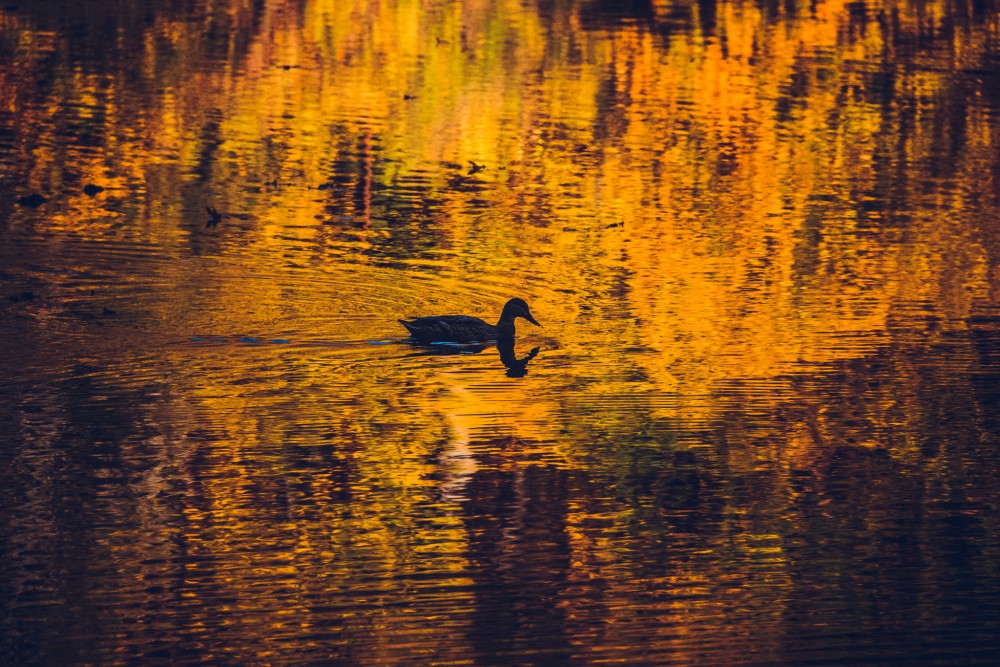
(512, 310)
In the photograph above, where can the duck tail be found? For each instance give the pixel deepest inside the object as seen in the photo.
(409, 327)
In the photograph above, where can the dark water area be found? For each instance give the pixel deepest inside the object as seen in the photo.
(758, 424)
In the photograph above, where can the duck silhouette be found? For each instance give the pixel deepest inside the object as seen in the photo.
(467, 329)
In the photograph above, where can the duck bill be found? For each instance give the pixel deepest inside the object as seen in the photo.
(531, 319)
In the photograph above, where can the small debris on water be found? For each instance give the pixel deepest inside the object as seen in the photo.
(214, 217)
(34, 200)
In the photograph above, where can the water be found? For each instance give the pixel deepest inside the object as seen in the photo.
(757, 426)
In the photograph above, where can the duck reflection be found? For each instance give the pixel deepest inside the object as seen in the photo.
(516, 368)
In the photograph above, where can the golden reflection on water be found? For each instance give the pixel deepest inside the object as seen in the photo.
(761, 242)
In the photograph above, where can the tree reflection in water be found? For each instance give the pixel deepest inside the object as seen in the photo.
(763, 238)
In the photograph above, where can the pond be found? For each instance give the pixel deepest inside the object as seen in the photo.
(758, 422)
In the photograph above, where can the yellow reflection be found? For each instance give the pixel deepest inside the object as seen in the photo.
(689, 211)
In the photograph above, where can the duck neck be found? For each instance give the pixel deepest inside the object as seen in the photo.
(505, 327)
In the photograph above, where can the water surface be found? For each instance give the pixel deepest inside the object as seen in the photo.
(758, 425)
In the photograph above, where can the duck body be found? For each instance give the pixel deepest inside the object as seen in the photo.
(467, 329)
(450, 329)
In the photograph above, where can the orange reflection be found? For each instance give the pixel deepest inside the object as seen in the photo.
(708, 215)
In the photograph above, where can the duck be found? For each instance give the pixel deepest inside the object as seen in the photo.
(467, 329)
